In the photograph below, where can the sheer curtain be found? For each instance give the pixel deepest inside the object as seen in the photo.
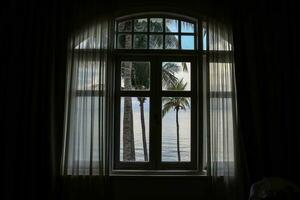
(223, 137)
(84, 140)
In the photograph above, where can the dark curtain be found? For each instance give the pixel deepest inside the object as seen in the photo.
(32, 78)
(268, 77)
(34, 39)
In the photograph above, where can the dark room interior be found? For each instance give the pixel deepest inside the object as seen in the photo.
(34, 75)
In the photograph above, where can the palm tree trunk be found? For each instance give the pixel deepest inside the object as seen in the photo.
(141, 100)
(178, 146)
(128, 134)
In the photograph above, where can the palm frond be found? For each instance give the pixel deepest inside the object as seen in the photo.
(184, 67)
(167, 107)
(175, 102)
(178, 85)
(185, 103)
(168, 80)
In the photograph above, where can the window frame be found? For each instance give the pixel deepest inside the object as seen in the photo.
(154, 95)
(164, 16)
(197, 56)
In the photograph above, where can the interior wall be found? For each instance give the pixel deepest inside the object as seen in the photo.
(160, 187)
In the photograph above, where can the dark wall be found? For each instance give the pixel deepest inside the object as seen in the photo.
(34, 39)
(158, 187)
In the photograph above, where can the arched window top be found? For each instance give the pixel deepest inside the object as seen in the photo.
(156, 31)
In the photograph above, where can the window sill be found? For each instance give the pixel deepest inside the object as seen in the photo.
(157, 173)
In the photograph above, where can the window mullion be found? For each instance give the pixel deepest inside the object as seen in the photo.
(179, 34)
(154, 114)
(158, 108)
(164, 32)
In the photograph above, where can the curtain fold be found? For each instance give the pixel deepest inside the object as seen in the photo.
(85, 122)
(224, 142)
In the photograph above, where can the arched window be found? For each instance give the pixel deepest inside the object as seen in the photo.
(155, 96)
(156, 92)
(156, 32)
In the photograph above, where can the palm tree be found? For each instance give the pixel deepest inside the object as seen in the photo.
(176, 103)
(138, 82)
(128, 130)
(140, 78)
(168, 71)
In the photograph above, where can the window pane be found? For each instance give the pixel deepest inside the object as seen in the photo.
(204, 33)
(86, 108)
(124, 41)
(187, 42)
(141, 25)
(171, 25)
(176, 76)
(134, 129)
(220, 77)
(140, 41)
(156, 42)
(88, 76)
(187, 27)
(221, 126)
(125, 26)
(171, 42)
(156, 25)
(176, 129)
(135, 75)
